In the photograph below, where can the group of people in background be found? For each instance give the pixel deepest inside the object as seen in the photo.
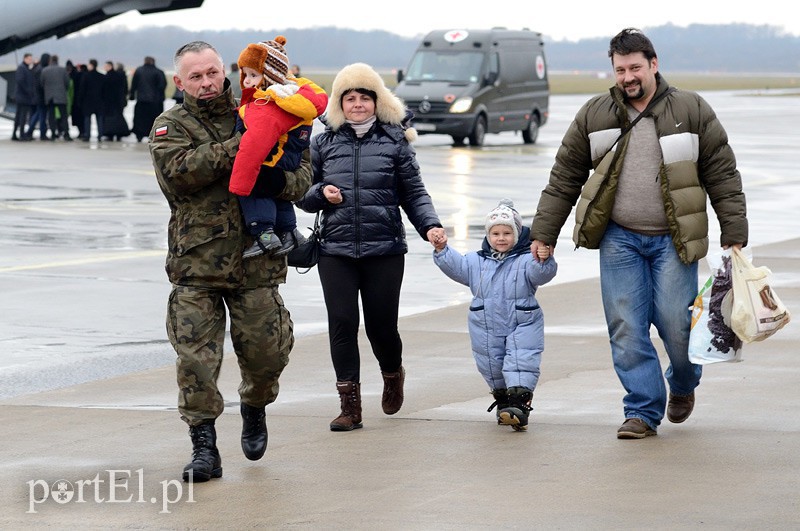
(56, 100)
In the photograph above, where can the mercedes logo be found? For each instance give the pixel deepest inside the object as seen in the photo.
(424, 106)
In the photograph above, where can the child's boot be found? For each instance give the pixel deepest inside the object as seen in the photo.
(289, 240)
(500, 401)
(519, 405)
(266, 242)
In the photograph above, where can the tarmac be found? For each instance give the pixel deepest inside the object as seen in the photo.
(99, 443)
(441, 462)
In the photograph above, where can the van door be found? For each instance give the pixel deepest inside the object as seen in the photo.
(516, 70)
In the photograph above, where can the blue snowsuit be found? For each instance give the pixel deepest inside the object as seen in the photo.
(506, 324)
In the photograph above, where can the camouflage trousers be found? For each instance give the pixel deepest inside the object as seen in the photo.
(262, 337)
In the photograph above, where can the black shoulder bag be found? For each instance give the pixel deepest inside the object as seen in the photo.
(306, 255)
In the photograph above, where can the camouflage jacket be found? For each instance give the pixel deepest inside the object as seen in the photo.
(193, 146)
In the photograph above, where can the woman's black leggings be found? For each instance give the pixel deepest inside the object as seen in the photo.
(378, 279)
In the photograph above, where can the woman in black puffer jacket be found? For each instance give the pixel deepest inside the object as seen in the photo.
(365, 171)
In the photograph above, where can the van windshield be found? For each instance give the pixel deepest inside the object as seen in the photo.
(459, 67)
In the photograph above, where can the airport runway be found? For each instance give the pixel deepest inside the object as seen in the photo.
(84, 235)
(88, 397)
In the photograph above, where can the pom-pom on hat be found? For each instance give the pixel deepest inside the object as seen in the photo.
(268, 57)
(505, 214)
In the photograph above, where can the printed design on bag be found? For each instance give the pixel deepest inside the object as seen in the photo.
(758, 311)
(767, 318)
(767, 299)
(723, 337)
(697, 308)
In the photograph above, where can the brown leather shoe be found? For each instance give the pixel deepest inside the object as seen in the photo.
(634, 428)
(392, 399)
(680, 407)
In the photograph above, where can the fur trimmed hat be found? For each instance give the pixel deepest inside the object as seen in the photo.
(268, 57)
(388, 107)
(505, 214)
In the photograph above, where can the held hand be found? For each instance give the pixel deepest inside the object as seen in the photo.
(540, 250)
(543, 252)
(737, 246)
(437, 237)
(332, 194)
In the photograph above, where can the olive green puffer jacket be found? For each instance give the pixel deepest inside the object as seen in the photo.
(697, 163)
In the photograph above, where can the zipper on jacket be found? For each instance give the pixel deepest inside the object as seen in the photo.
(356, 202)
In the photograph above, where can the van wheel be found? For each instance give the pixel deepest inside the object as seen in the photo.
(531, 133)
(458, 140)
(478, 132)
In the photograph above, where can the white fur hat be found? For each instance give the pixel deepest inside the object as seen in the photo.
(505, 214)
(388, 107)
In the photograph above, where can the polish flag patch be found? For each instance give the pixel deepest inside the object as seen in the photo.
(161, 131)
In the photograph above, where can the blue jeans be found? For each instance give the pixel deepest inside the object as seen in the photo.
(644, 283)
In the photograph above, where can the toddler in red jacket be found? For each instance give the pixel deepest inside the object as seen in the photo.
(276, 113)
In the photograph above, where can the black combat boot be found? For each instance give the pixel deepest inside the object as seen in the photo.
(206, 462)
(519, 405)
(254, 431)
(500, 401)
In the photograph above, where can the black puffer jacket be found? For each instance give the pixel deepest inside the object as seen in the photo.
(377, 175)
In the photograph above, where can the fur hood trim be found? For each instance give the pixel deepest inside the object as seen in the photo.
(389, 109)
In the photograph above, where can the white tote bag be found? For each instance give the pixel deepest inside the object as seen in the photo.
(757, 311)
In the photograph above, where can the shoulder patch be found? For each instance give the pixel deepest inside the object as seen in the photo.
(161, 131)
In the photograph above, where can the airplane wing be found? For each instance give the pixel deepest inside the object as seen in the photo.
(24, 22)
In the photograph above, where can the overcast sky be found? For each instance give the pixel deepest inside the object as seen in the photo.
(558, 19)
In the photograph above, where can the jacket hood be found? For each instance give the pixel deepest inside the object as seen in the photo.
(388, 108)
(522, 246)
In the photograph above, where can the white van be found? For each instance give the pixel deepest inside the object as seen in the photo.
(466, 83)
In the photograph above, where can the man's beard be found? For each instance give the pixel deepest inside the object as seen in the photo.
(636, 96)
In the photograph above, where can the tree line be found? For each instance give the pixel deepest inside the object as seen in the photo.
(730, 48)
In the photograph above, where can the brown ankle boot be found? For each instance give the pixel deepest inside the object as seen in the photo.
(350, 417)
(392, 399)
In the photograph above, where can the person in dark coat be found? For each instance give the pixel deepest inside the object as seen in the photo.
(76, 74)
(365, 172)
(147, 89)
(90, 98)
(39, 115)
(24, 87)
(115, 99)
(55, 84)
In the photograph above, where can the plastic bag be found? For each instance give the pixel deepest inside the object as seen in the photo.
(711, 339)
(757, 311)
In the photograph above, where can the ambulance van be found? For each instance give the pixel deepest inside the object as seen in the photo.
(466, 83)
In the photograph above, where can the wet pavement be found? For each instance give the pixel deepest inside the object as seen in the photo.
(87, 376)
(84, 235)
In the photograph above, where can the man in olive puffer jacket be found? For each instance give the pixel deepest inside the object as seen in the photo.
(644, 208)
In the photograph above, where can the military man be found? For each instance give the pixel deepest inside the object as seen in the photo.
(193, 147)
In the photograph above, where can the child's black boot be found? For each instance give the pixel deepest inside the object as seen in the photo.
(519, 406)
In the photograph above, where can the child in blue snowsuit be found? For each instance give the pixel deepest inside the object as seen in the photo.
(506, 324)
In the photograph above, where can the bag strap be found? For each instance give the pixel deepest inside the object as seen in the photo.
(627, 128)
(646, 111)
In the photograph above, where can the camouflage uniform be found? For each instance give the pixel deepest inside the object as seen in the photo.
(193, 146)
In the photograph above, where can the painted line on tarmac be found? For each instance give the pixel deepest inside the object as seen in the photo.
(83, 261)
